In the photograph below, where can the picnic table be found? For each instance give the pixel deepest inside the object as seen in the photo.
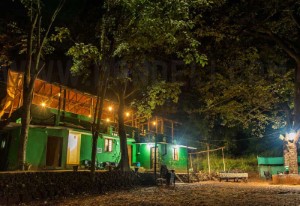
(235, 176)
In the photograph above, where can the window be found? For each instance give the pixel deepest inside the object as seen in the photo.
(175, 154)
(108, 145)
(2, 144)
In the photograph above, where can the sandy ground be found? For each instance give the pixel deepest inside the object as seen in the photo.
(204, 193)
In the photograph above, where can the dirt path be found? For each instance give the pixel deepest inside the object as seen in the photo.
(204, 193)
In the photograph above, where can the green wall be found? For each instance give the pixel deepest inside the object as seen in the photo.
(165, 156)
(102, 156)
(36, 146)
(37, 150)
(13, 151)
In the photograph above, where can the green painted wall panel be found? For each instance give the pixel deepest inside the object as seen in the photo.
(165, 156)
(272, 160)
(179, 165)
(37, 147)
(134, 154)
(143, 155)
(86, 147)
(13, 151)
(102, 156)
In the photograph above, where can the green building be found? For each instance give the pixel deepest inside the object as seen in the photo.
(60, 138)
(273, 165)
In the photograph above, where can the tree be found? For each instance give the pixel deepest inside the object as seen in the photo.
(37, 45)
(132, 31)
(253, 98)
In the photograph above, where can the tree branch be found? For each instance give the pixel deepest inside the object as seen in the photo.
(291, 52)
(284, 44)
(57, 10)
(131, 93)
(296, 21)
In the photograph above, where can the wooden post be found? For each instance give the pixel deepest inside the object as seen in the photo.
(162, 126)
(191, 161)
(208, 160)
(92, 108)
(187, 164)
(155, 160)
(156, 125)
(132, 119)
(57, 119)
(223, 159)
(64, 99)
(172, 128)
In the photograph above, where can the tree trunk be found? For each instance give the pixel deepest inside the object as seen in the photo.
(94, 150)
(25, 119)
(101, 92)
(290, 156)
(124, 162)
(290, 147)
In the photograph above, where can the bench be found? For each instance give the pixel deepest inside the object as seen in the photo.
(233, 176)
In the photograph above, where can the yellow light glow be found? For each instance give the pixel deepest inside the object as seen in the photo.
(107, 120)
(58, 94)
(127, 114)
(90, 116)
(154, 123)
(110, 108)
(43, 104)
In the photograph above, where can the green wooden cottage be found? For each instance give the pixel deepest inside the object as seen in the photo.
(60, 137)
(273, 165)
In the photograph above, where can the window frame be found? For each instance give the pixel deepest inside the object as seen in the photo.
(108, 145)
(175, 154)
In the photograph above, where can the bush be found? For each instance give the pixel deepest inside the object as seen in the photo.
(242, 164)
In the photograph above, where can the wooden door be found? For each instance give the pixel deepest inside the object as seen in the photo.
(129, 148)
(152, 160)
(54, 151)
(73, 152)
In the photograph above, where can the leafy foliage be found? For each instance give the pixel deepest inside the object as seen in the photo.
(240, 94)
(157, 95)
(84, 56)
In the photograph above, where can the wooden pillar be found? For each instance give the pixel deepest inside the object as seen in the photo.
(156, 125)
(223, 159)
(57, 119)
(92, 107)
(208, 160)
(172, 129)
(162, 126)
(187, 164)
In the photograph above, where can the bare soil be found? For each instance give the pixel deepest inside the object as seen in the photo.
(203, 193)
